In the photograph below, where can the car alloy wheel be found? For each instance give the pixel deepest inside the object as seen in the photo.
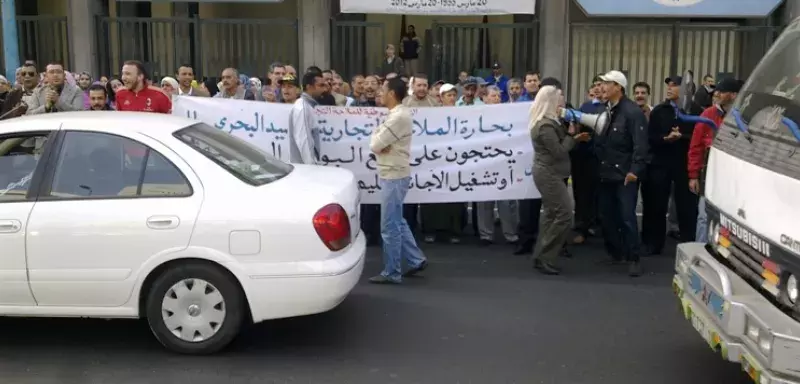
(195, 308)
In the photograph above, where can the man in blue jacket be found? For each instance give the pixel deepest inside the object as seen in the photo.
(500, 80)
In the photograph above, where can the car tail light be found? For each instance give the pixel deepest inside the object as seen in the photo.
(333, 226)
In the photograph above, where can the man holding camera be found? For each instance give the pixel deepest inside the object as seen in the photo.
(57, 95)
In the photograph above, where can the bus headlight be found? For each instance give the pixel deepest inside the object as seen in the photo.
(792, 289)
(714, 234)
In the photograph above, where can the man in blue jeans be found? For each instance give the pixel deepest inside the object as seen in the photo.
(391, 144)
(622, 150)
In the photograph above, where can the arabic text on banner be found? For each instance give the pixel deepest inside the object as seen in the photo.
(458, 154)
(440, 7)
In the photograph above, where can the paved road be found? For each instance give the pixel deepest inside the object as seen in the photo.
(480, 315)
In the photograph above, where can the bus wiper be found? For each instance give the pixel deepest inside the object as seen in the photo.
(694, 119)
(792, 127)
(737, 116)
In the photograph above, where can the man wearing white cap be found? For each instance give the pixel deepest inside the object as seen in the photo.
(622, 150)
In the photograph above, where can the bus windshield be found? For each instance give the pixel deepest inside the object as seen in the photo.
(768, 108)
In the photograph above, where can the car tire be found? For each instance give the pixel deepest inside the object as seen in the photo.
(186, 294)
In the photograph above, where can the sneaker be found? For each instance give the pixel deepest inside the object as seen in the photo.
(419, 268)
(455, 240)
(430, 239)
(381, 279)
(634, 269)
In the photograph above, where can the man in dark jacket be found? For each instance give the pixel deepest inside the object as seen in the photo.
(668, 138)
(704, 97)
(584, 169)
(621, 148)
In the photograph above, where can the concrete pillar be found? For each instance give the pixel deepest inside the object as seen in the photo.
(82, 37)
(314, 33)
(791, 10)
(554, 38)
(10, 40)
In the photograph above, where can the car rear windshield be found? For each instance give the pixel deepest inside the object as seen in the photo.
(242, 159)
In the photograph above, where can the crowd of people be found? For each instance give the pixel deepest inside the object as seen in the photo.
(646, 150)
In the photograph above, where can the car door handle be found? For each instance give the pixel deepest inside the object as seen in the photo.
(163, 222)
(10, 226)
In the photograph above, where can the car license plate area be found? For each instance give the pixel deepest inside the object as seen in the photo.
(701, 325)
(706, 294)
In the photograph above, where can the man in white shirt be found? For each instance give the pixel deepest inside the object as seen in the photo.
(185, 76)
(305, 143)
(391, 144)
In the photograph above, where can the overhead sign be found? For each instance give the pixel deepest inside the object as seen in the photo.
(200, 1)
(679, 8)
(440, 7)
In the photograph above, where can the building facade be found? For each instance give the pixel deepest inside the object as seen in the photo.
(569, 39)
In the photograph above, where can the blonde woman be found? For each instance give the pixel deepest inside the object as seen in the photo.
(551, 165)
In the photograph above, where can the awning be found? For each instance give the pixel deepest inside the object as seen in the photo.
(679, 8)
(440, 8)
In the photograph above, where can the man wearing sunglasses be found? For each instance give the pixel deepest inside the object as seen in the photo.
(13, 104)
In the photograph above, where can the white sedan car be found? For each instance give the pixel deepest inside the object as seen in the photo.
(129, 215)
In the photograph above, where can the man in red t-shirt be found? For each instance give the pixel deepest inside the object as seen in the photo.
(138, 95)
(703, 134)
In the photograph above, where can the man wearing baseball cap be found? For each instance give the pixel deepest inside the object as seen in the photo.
(290, 89)
(621, 148)
(499, 79)
(669, 145)
(470, 93)
(702, 138)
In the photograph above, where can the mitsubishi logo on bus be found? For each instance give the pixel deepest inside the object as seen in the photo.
(745, 235)
(741, 213)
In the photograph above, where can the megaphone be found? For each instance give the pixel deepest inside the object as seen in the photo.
(597, 122)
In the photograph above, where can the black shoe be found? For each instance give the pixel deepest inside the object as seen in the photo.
(674, 234)
(413, 271)
(485, 243)
(634, 269)
(381, 279)
(612, 261)
(566, 253)
(546, 268)
(523, 250)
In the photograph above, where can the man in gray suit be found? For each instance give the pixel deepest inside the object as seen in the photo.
(57, 95)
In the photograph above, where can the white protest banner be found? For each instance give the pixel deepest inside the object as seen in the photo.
(440, 7)
(479, 153)
(264, 125)
(458, 154)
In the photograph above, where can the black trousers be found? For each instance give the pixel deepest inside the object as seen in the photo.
(584, 191)
(529, 216)
(656, 191)
(371, 220)
(617, 204)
